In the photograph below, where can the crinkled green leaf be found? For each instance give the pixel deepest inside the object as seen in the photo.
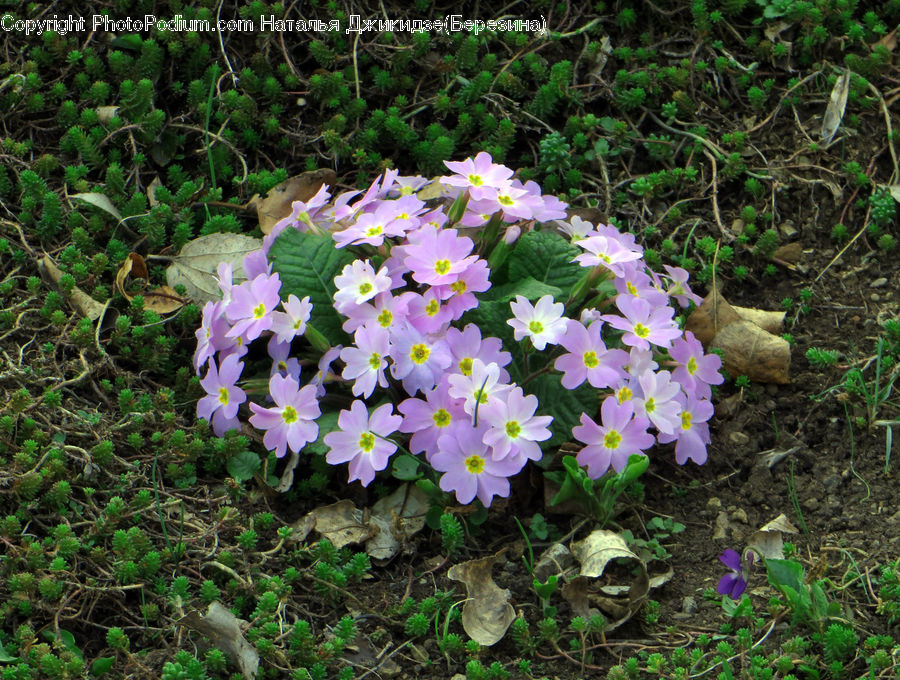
(327, 422)
(491, 317)
(546, 257)
(307, 264)
(566, 406)
(530, 288)
(243, 466)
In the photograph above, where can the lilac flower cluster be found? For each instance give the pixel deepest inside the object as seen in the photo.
(418, 272)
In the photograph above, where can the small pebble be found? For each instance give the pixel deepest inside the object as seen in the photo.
(811, 504)
(689, 605)
(739, 515)
(880, 282)
(875, 297)
(714, 503)
(738, 438)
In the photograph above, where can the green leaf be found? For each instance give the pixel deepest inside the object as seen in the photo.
(6, 657)
(327, 422)
(783, 573)
(566, 406)
(530, 288)
(243, 466)
(406, 468)
(546, 257)
(67, 639)
(102, 665)
(307, 264)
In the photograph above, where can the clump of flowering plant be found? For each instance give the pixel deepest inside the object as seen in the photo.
(477, 332)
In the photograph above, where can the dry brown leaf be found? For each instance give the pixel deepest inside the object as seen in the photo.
(195, 266)
(106, 113)
(162, 300)
(278, 203)
(617, 597)
(487, 613)
(342, 523)
(837, 104)
(767, 542)
(80, 300)
(224, 631)
(397, 517)
(747, 348)
(751, 351)
(773, 322)
(151, 191)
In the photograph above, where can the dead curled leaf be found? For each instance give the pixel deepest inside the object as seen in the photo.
(767, 542)
(224, 631)
(487, 613)
(748, 348)
(162, 300)
(837, 104)
(385, 528)
(278, 203)
(80, 300)
(617, 600)
(195, 266)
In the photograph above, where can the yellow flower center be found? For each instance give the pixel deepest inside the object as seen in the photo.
(282, 365)
(433, 307)
(365, 288)
(289, 414)
(641, 330)
(505, 200)
(513, 429)
(475, 464)
(441, 418)
(631, 288)
(686, 418)
(419, 353)
(375, 361)
(223, 395)
(591, 360)
(459, 287)
(650, 405)
(259, 311)
(367, 441)
(374, 231)
(612, 439)
(624, 394)
(691, 366)
(465, 366)
(385, 319)
(475, 180)
(406, 191)
(442, 266)
(297, 324)
(535, 327)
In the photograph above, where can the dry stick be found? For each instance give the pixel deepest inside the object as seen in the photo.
(890, 133)
(715, 199)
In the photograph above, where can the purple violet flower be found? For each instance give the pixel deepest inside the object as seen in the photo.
(734, 583)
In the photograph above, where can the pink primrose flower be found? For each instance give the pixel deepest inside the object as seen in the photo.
(361, 440)
(543, 323)
(588, 358)
(619, 436)
(223, 396)
(291, 422)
